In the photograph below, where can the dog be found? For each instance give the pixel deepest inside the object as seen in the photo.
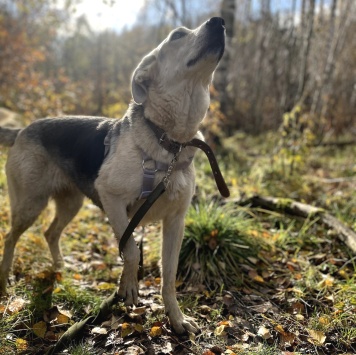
(67, 158)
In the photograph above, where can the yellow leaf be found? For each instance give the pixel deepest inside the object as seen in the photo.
(77, 277)
(57, 290)
(40, 329)
(254, 276)
(138, 328)
(280, 329)
(21, 344)
(299, 317)
(106, 286)
(126, 329)
(317, 337)
(324, 320)
(62, 319)
(220, 330)
(155, 331)
(327, 282)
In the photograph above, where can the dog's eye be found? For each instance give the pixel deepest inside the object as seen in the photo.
(177, 35)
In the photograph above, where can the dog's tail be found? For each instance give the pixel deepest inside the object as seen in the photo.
(8, 136)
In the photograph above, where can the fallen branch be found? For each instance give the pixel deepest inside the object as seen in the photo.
(335, 143)
(294, 208)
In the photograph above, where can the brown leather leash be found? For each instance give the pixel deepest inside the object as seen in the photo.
(175, 148)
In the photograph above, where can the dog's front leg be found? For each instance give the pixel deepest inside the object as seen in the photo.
(116, 212)
(173, 231)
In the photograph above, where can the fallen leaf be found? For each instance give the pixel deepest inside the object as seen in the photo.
(62, 319)
(299, 317)
(155, 331)
(126, 329)
(327, 282)
(99, 330)
(57, 290)
(252, 274)
(280, 329)
(58, 276)
(324, 320)
(287, 339)
(317, 337)
(21, 344)
(264, 333)
(138, 328)
(40, 329)
(220, 330)
(16, 305)
(106, 286)
(139, 310)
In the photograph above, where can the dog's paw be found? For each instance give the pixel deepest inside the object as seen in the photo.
(183, 324)
(58, 265)
(128, 289)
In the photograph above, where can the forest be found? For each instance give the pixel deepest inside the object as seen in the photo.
(270, 270)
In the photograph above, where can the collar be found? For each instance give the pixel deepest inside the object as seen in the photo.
(175, 147)
(170, 145)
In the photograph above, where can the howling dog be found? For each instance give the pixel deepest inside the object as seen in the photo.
(117, 163)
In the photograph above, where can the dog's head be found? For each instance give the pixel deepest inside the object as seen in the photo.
(181, 66)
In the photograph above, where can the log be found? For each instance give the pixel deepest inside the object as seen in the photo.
(295, 208)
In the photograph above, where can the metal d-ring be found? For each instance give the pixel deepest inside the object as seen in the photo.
(146, 169)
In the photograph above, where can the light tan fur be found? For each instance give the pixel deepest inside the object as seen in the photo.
(176, 98)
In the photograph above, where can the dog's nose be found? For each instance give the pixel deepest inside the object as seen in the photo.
(215, 22)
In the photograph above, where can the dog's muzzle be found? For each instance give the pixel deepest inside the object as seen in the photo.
(213, 40)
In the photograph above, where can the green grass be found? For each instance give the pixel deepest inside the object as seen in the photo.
(218, 239)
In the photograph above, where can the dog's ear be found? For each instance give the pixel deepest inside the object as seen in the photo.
(141, 78)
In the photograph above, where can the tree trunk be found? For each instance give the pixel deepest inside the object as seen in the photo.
(221, 79)
(307, 37)
(286, 99)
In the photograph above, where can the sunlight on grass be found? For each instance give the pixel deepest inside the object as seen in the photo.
(217, 240)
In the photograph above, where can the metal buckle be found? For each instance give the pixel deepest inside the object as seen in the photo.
(163, 137)
(146, 169)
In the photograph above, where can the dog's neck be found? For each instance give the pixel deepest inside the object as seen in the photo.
(181, 115)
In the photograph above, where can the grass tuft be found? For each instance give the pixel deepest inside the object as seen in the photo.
(218, 239)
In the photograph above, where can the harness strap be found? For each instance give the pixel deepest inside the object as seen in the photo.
(149, 174)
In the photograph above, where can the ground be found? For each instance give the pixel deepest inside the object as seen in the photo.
(258, 282)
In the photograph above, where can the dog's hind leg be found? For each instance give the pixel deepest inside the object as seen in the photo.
(23, 215)
(67, 206)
